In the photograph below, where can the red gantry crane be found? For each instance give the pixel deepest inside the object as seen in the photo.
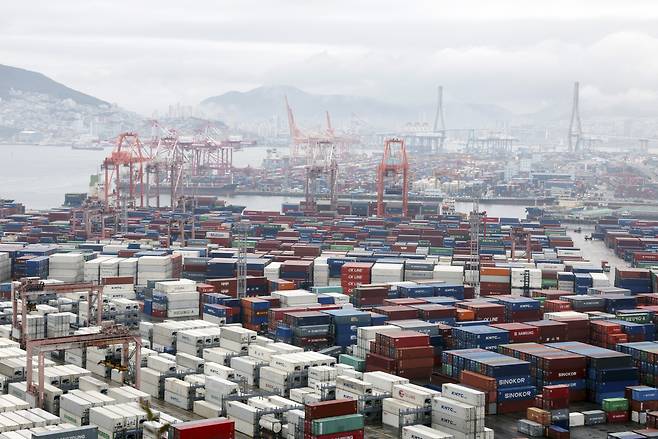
(162, 150)
(301, 140)
(108, 333)
(128, 156)
(395, 165)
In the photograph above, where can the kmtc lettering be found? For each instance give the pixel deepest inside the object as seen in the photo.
(447, 408)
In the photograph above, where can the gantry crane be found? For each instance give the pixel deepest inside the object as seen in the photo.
(32, 287)
(394, 164)
(320, 161)
(242, 229)
(519, 232)
(128, 155)
(107, 336)
(475, 218)
(301, 140)
(162, 151)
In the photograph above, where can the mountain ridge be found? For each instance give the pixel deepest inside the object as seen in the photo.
(267, 101)
(19, 79)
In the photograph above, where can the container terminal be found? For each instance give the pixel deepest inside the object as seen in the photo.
(150, 308)
(125, 317)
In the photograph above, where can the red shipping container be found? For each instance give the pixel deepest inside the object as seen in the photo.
(551, 294)
(478, 381)
(553, 433)
(513, 406)
(491, 312)
(379, 362)
(328, 409)
(555, 392)
(405, 301)
(404, 339)
(415, 373)
(434, 311)
(618, 417)
(205, 288)
(643, 406)
(418, 352)
(550, 331)
(119, 280)
(217, 428)
(519, 332)
(469, 292)
(523, 316)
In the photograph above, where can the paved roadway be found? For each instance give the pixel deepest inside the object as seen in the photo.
(595, 251)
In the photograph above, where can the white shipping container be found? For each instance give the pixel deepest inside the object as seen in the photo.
(242, 411)
(206, 409)
(219, 370)
(273, 387)
(217, 355)
(393, 418)
(188, 361)
(234, 346)
(383, 381)
(274, 375)
(161, 364)
(417, 395)
(238, 334)
(360, 387)
(459, 434)
(450, 407)
(423, 432)
(449, 424)
(322, 373)
(463, 394)
(259, 351)
(91, 383)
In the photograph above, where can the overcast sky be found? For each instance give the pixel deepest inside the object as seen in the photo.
(521, 54)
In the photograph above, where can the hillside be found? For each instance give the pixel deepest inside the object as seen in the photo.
(26, 81)
(267, 102)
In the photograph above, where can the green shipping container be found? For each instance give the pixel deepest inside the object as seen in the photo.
(356, 363)
(549, 284)
(337, 424)
(639, 317)
(342, 248)
(614, 404)
(440, 251)
(329, 289)
(238, 244)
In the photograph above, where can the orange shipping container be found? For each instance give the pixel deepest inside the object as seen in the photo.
(494, 271)
(465, 315)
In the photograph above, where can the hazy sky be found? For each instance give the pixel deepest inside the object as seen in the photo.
(521, 54)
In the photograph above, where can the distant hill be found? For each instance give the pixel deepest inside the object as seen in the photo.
(264, 103)
(28, 81)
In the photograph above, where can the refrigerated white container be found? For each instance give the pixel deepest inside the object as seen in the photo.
(463, 394)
